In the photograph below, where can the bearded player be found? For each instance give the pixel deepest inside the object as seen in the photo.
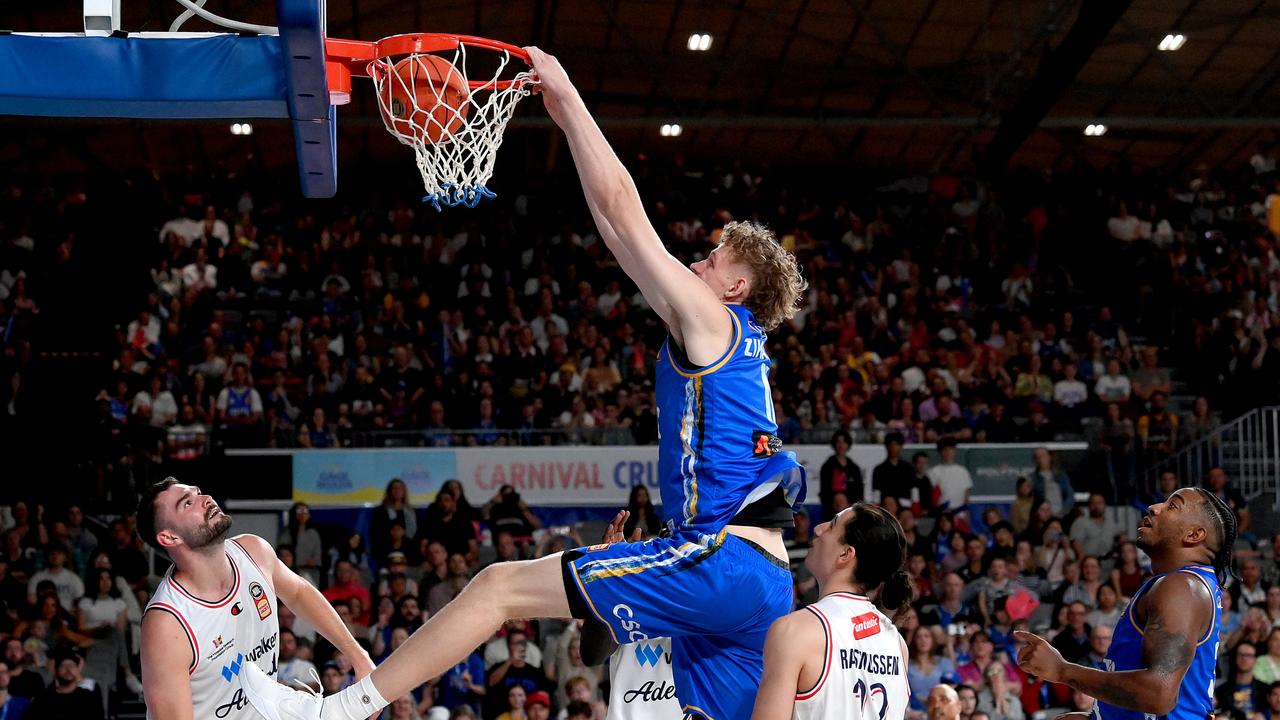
(1163, 655)
(215, 610)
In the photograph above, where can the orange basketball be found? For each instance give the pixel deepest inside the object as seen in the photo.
(425, 96)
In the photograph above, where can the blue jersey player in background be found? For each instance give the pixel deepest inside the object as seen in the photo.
(1164, 652)
(719, 577)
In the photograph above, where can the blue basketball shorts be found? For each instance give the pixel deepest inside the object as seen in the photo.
(715, 596)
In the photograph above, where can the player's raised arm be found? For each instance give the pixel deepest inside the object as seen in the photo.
(166, 655)
(667, 284)
(1179, 613)
(306, 602)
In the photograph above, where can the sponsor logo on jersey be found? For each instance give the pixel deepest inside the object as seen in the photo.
(260, 600)
(236, 609)
(601, 546)
(650, 692)
(631, 626)
(765, 444)
(647, 654)
(217, 641)
(233, 670)
(866, 625)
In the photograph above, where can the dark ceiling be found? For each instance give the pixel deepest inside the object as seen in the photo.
(902, 85)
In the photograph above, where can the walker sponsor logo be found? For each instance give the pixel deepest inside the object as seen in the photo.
(647, 654)
(866, 625)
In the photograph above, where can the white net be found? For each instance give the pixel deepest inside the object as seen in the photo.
(453, 124)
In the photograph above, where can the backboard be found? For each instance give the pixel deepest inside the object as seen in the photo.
(110, 73)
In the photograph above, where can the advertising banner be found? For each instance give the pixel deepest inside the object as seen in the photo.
(359, 477)
(585, 476)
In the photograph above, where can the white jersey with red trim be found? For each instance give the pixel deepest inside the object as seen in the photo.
(224, 634)
(864, 675)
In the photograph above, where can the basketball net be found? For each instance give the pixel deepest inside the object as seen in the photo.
(457, 165)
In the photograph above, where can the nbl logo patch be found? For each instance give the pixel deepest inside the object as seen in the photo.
(865, 625)
(765, 444)
(260, 600)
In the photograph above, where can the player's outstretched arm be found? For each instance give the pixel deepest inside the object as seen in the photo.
(166, 655)
(1179, 612)
(306, 602)
(791, 638)
(619, 214)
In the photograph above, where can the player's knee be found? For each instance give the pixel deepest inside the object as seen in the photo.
(494, 583)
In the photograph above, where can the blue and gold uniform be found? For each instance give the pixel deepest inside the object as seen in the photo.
(1195, 697)
(715, 595)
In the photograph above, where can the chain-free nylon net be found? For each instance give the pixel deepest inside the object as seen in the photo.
(454, 143)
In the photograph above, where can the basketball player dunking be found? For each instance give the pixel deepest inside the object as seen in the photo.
(841, 657)
(215, 611)
(717, 582)
(1163, 656)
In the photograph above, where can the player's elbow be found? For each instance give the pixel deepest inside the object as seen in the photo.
(1163, 700)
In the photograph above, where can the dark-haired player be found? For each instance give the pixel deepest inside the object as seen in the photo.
(1163, 655)
(215, 611)
(841, 656)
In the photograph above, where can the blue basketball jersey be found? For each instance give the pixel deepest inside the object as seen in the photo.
(1195, 698)
(717, 447)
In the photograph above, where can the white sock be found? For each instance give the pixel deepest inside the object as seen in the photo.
(358, 702)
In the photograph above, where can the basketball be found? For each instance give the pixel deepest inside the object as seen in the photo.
(425, 98)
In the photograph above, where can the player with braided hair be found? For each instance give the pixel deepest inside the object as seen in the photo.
(1163, 655)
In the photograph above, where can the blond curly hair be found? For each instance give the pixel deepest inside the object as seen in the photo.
(776, 284)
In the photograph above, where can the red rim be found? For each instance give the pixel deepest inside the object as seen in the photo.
(359, 55)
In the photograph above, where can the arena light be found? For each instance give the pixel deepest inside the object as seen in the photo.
(1172, 42)
(699, 42)
(671, 130)
(1095, 130)
(241, 129)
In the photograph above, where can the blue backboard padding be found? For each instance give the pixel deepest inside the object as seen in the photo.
(302, 35)
(221, 76)
(224, 76)
(317, 147)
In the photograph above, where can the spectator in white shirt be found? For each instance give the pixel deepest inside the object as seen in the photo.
(1069, 391)
(951, 478)
(200, 276)
(1123, 227)
(1095, 534)
(164, 409)
(1113, 387)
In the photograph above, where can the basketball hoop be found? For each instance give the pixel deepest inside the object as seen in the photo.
(429, 101)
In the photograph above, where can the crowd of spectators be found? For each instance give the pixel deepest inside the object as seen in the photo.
(1075, 306)
(73, 588)
(1134, 312)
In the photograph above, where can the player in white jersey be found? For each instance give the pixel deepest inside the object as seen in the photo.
(842, 657)
(215, 610)
(641, 686)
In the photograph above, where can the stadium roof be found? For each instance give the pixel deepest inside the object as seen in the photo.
(914, 85)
